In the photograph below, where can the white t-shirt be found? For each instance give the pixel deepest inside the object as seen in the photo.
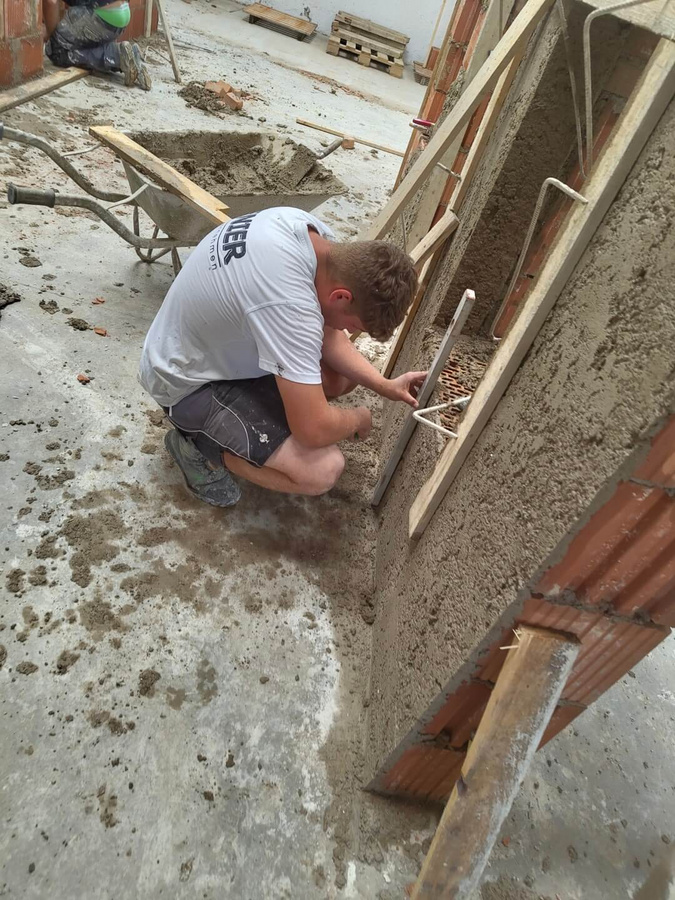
(244, 305)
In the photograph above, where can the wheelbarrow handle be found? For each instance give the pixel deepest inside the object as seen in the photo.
(30, 196)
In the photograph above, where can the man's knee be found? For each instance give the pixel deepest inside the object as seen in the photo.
(325, 474)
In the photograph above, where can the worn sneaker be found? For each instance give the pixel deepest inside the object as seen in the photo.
(128, 63)
(214, 486)
(143, 78)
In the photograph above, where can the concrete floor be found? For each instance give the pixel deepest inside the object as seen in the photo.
(184, 691)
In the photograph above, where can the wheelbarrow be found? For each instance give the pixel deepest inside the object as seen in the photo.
(176, 205)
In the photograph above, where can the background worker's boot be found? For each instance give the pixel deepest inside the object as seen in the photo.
(128, 63)
(214, 486)
(143, 78)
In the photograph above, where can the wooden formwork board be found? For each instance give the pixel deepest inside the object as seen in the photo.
(520, 707)
(45, 84)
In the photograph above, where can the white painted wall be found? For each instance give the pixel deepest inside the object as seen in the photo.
(414, 19)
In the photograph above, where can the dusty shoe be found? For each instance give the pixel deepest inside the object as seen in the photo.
(143, 79)
(128, 63)
(214, 486)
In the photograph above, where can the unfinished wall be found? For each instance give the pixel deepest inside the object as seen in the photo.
(20, 40)
(600, 373)
(545, 141)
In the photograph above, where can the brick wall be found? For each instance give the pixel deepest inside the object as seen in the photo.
(21, 47)
(20, 40)
(136, 26)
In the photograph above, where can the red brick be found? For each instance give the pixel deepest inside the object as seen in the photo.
(477, 28)
(136, 26)
(218, 87)
(466, 21)
(560, 719)
(609, 648)
(433, 56)
(30, 56)
(6, 65)
(623, 558)
(423, 771)
(460, 714)
(18, 18)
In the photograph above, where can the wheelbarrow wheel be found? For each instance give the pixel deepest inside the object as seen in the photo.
(177, 264)
(148, 256)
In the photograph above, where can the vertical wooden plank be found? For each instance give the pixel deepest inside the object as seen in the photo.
(454, 330)
(518, 711)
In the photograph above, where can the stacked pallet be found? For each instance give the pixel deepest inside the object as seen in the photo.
(368, 43)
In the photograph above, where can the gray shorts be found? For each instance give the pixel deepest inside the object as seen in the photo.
(244, 417)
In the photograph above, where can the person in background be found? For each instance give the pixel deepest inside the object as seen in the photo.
(87, 35)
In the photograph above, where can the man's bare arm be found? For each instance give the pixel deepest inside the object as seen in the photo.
(313, 422)
(341, 355)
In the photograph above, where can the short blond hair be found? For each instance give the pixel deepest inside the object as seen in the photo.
(382, 281)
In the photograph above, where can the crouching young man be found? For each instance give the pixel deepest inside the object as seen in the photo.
(249, 345)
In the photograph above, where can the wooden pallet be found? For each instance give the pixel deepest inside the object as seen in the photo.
(368, 27)
(300, 27)
(363, 56)
(367, 43)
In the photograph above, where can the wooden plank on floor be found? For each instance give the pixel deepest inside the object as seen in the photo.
(364, 56)
(422, 74)
(161, 173)
(345, 134)
(294, 23)
(45, 84)
(510, 730)
(644, 108)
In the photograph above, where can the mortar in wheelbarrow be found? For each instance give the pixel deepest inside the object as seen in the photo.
(248, 171)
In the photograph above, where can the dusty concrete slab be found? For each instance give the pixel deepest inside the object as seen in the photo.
(183, 690)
